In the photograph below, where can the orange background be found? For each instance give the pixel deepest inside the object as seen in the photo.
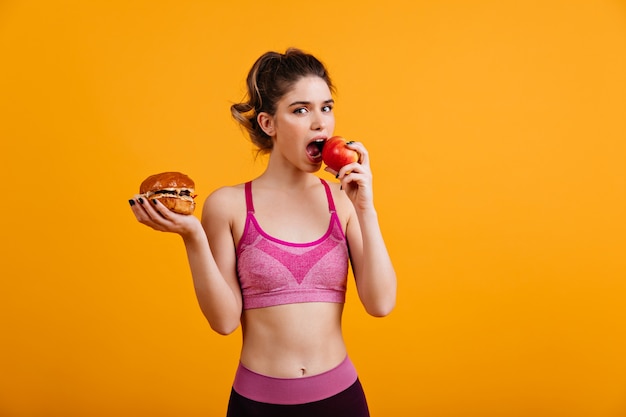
(497, 131)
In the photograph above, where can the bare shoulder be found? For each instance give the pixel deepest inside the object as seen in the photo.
(224, 201)
(344, 206)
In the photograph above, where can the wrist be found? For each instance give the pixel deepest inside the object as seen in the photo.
(193, 234)
(367, 213)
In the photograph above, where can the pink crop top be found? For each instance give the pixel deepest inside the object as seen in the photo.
(274, 272)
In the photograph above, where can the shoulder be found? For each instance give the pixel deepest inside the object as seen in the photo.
(224, 201)
(226, 195)
(340, 197)
(344, 206)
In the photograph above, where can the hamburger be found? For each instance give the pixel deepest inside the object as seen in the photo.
(174, 190)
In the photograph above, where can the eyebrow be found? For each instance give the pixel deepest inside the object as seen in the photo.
(306, 103)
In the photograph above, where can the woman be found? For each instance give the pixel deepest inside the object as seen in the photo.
(273, 254)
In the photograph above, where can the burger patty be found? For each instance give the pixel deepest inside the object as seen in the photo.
(182, 193)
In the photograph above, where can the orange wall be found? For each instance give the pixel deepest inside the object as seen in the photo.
(498, 138)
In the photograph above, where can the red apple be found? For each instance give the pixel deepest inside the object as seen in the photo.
(336, 154)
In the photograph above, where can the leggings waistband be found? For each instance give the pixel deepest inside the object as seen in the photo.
(307, 389)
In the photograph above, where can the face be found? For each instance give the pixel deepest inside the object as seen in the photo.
(304, 119)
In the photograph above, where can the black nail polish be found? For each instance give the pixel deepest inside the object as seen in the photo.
(140, 200)
(337, 176)
(154, 201)
(131, 202)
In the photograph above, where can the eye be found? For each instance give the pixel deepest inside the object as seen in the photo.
(327, 109)
(301, 110)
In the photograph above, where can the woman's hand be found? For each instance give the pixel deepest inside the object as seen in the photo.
(373, 270)
(154, 214)
(356, 178)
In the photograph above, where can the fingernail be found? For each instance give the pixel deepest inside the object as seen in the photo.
(154, 200)
(337, 176)
(131, 202)
(140, 200)
(350, 142)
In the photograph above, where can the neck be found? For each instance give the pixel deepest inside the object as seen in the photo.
(284, 175)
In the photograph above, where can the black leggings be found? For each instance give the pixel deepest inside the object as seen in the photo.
(348, 403)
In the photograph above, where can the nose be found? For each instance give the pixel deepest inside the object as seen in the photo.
(318, 122)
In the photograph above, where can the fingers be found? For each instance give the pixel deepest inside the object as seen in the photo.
(331, 171)
(356, 178)
(155, 215)
(136, 205)
(150, 212)
(360, 148)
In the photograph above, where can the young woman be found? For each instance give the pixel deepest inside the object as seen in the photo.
(273, 253)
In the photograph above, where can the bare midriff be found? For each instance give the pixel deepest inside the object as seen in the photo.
(293, 340)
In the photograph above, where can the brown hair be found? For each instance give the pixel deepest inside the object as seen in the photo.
(269, 79)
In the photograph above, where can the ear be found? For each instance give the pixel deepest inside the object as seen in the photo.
(266, 122)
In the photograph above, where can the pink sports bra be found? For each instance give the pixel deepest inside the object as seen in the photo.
(274, 272)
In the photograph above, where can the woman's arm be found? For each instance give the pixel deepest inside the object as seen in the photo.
(221, 304)
(215, 283)
(373, 271)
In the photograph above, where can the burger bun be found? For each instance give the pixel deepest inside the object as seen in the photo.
(174, 190)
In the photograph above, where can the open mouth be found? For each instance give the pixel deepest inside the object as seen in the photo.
(314, 149)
